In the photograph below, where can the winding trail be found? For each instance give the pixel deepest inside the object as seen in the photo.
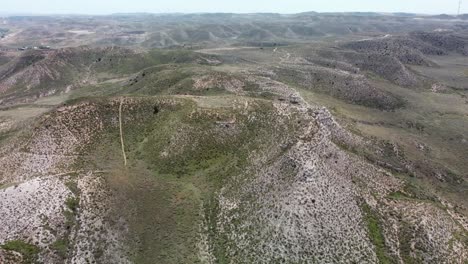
(121, 133)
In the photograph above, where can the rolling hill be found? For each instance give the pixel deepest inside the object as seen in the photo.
(234, 138)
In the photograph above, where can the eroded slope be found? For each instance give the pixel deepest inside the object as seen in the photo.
(217, 179)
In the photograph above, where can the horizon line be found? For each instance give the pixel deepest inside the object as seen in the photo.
(221, 12)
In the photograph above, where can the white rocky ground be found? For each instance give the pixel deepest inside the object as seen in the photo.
(95, 233)
(38, 184)
(307, 202)
(33, 212)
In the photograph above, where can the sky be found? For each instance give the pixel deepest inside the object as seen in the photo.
(237, 6)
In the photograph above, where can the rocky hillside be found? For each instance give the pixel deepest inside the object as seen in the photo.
(348, 86)
(226, 179)
(348, 146)
(169, 30)
(411, 48)
(387, 55)
(35, 74)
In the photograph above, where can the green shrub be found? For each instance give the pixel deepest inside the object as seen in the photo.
(376, 235)
(61, 247)
(72, 203)
(28, 251)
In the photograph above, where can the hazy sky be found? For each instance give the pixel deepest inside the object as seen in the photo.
(238, 6)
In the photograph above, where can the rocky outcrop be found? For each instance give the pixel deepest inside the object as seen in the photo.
(345, 85)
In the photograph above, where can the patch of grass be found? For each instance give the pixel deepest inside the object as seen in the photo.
(60, 247)
(164, 228)
(203, 145)
(69, 219)
(217, 239)
(178, 158)
(72, 203)
(5, 136)
(73, 186)
(28, 251)
(175, 79)
(405, 236)
(4, 186)
(418, 192)
(376, 234)
(398, 195)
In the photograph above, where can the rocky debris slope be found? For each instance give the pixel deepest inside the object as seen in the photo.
(411, 48)
(51, 205)
(32, 211)
(423, 232)
(403, 48)
(306, 199)
(384, 65)
(387, 56)
(40, 73)
(349, 86)
(317, 199)
(53, 144)
(446, 41)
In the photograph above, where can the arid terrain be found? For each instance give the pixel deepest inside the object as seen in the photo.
(234, 138)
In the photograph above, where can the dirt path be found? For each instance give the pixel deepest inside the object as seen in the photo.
(121, 133)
